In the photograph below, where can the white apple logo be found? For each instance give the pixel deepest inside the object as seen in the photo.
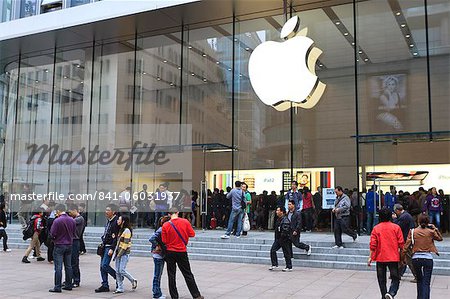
(284, 73)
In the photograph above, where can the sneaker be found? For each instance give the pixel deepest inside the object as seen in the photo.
(102, 289)
(75, 285)
(272, 268)
(225, 237)
(388, 296)
(355, 238)
(134, 284)
(287, 270)
(238, 237)
(337, 247)
(25, 260)
(7, 250)
(118, 292)
(308, 253)
(40, 259)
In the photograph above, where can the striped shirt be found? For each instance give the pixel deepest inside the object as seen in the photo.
(124, 244)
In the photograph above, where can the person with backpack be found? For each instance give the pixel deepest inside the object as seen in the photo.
(3, 224)
(33, 230)
(282, 240)
(158, 251)
(175, 234)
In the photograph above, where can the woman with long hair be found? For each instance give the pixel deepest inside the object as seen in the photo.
(422, 240)
(122, 254)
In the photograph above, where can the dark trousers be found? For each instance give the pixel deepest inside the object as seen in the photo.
(381, 276)
(424, 269)
(308, 216)
(342, 226)
(76, 261)
(105, 268)
(286, 246)
(295, 240)
(62, 254)
(4, 236)
(82, 245)
(181, 259)
(50, 249)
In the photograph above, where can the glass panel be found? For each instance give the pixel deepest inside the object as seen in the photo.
(325, 157)
(207, 101)
(393, 94)
(439, 36)
(74, 3)
(5, 10)
(28, 8)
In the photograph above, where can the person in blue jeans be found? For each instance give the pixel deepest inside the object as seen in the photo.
(422, 240)
(109, 240)
(158, 258)
(122, 255)
(62, 233)
(433, 206)
(237, 212)
(372, 204)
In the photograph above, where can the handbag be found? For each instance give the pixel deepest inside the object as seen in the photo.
(409, 251)
(246, 226)
(101, 249)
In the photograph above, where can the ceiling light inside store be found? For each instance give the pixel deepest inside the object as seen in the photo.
(247, 49)
(338, 23)
(171, 84)
(403, 25)
(204, 55)
(353, 44)
(217, 62)
(192, 74)
(345, 33)
(179, 67)
(81, 82)
(144, 73)
(37, 81)
(204, 79)
(398, 13)
(360, 52)
(366, 59)
(46, 70)
(408, 36)
(164, 61)
(189, 47)
(321, 65)
(229, 69)
(158, 79)
(235, 39)
(65, 77)
(70, 90)
(411, 45)
(78, 66)
(415, 53)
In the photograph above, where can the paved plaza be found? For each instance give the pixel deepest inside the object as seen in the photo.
(215, 280)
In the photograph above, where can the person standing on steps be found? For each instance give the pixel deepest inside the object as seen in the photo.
(341, 211)
(175, 235)
(3, 224)
(296, 227)
(109, 242)
(282, 240)
(237, 212)
(386, 243)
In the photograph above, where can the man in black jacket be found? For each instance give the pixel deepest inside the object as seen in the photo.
(296, 227)
(109, 240)
(3, 224)
(282, 240)
(406, 222)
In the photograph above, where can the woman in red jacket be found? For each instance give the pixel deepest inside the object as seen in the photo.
(386, 243)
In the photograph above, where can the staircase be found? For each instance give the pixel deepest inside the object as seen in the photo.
(255, 249)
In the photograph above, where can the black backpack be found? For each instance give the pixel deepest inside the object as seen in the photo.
(29, 230)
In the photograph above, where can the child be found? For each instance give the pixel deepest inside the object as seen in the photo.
(158, 258)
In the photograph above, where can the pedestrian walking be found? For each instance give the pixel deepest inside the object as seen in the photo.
(158, 253)
(122, 254)
(75, 260)
(106, 248)
(406, 222)
(296, 227)
(62, 232)
(36, 225)
(421, 239)
(341, 211)
(3, 225)
(282, 240)
(386, 243)
(175, 234)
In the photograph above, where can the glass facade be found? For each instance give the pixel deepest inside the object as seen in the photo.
(386, 65)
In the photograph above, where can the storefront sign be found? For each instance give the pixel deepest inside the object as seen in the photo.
(328, 198)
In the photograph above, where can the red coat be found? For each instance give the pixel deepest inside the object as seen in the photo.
(170, 237)
(385, 241)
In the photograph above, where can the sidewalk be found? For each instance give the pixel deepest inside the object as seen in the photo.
(215, 280)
